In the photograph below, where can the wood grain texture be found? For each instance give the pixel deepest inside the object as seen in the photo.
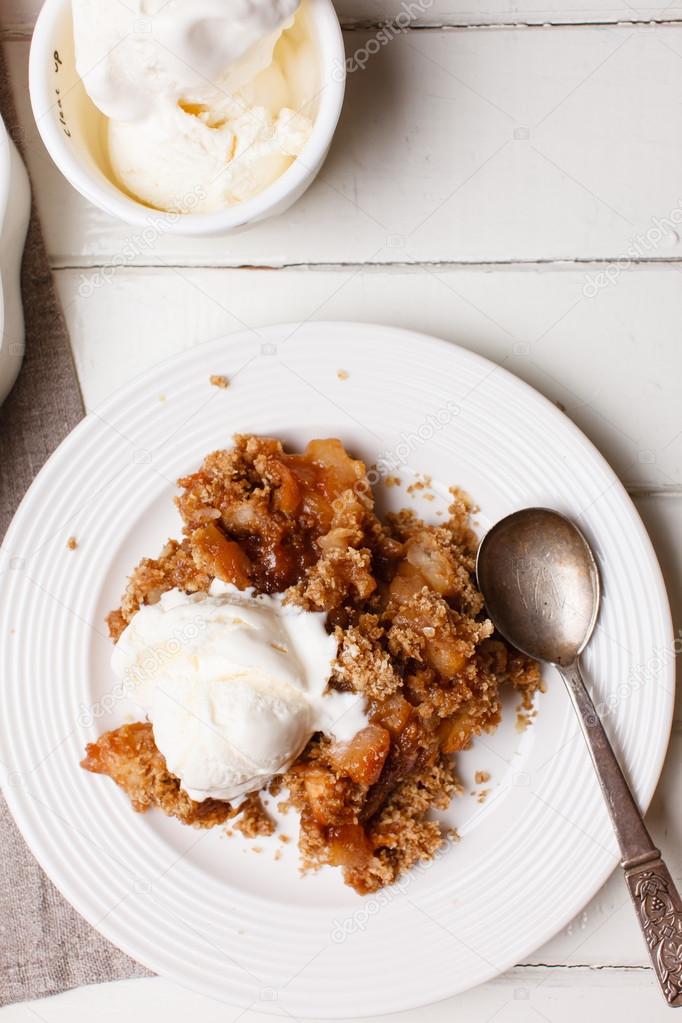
(522, 995)
(458, 146)
(21, 14)
(612, 360)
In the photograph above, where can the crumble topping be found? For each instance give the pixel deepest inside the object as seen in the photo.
(413, 639)
(254, 819)
(129, 755)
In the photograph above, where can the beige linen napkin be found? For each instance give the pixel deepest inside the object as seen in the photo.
(45, 946)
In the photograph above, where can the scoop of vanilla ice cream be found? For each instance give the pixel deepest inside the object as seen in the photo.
(204, 166)
(234, 685)
(200, 109)
(141, 56)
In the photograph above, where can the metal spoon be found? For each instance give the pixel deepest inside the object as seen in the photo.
(540, 583)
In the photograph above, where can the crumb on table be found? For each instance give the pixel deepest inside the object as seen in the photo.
(392, 481)
(342, 374)
(72, 543)
(481, 777)
(218, 380)
(482, 795)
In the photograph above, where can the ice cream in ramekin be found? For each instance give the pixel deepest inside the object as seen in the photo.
(160, 177)
(206, 102)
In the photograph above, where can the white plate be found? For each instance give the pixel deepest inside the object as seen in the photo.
(205, 910)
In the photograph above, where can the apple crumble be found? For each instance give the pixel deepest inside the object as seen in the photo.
(412, 640)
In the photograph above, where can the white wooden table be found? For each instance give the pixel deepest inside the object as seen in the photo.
(508, 177)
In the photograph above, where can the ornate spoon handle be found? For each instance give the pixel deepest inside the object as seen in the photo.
(657, 901)
(659, 911)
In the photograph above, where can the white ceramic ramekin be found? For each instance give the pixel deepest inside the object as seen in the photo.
(70, 127)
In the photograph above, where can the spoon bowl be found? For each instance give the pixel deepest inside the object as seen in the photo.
(541, 584)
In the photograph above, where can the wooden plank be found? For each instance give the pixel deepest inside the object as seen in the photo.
(466, 145)
(505, 12)
(519, 996)
(21, 14)
(612, 360)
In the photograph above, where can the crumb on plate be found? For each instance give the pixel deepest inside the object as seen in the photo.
(254, 820)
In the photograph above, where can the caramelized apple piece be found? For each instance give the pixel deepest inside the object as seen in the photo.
(221, 557)
(436, 566)
(320, 790)
(363, 758)
(455, 733)
(406, 751)
(392, 713)
(242, 517)
(341, 471)
(447, 655)
(406, 583)
(349, 846)
(287, 494)
(431, 626)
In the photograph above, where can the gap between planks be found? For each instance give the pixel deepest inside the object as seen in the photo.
(23, 32)
(587, 967)
(394, 266)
